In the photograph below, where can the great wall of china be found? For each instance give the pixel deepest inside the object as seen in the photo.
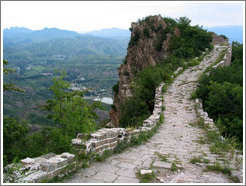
(176, 139)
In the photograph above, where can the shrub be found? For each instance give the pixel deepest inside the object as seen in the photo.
(146, 32)
(115, 88)
(193, 63)
(134, 39)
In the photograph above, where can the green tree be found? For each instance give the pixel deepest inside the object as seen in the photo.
(9, 86)
(14, 134)
(69, 110)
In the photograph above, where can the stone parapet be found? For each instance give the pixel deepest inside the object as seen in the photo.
(237, 157)
(226, 61)
(40, 169)
(108, 138)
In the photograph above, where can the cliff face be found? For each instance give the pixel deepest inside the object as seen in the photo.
(218, 39)
(144, 50)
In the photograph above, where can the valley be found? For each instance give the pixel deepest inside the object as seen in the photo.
(90, 63)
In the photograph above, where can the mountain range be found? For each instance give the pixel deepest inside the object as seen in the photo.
(20, 35)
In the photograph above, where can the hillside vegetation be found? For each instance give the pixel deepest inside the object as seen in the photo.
(221, 92)
(191, 42)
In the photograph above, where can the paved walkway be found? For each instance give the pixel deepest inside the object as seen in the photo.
(176, 141)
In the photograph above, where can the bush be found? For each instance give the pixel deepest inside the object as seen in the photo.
(134, 39)
(146, 32)
(193, 63)
(115, 88)
(222, 94)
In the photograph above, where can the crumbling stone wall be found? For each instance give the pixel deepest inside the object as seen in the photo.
(40, 169)
(211, 126)
(108, 138)
(44, 168)
(226, 61)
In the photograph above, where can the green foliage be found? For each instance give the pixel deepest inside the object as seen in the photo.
(9, 86)
(195, 160)
(174, 167)
(14, 134)
(146, 178)
(192, 41)
(170, 21)
(193, 63)
(138, 107)
(146, 32)
(115, 88)
(105, 155)
(218, 168)
(69, 110)
(125, 73)
(134, 39)
(224, 36)
(134, 110)
(222, 94)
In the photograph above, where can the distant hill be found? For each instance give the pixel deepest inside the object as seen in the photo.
(78, 46)
(111, 33)
(20, 35)
(234, 33)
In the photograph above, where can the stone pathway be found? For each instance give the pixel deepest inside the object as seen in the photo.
(176, 141)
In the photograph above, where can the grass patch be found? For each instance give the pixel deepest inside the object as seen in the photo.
(106, 154)
(200, 122)
(195, 160)
(218, 168)
(162, 156)
(207, 161)
(192, 124)
(146, 178)
(193, 95)
(174, 167)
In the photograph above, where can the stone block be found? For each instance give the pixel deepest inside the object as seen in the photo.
(59, 162)
(27, 161)
(70, 157)
(60, 172)
(113, 145)
(143, 172)
(76, 142)
(47, 167)
(37, 177)
(48, 156)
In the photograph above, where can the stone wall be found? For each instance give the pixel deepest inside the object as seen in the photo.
(108, 138)
(237, 157)
(226, 61)
(44, 168)
(208, 122)
(40, 169)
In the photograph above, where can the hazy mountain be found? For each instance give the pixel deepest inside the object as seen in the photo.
(111, 33)
(19, 35)
(234, 33)
(73, 47)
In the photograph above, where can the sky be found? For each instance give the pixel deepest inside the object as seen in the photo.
(82, 16)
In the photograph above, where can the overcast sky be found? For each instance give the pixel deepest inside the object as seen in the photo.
(92, 15)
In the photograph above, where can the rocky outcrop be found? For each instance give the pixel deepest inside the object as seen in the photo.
(218, 39)
(142, 52)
